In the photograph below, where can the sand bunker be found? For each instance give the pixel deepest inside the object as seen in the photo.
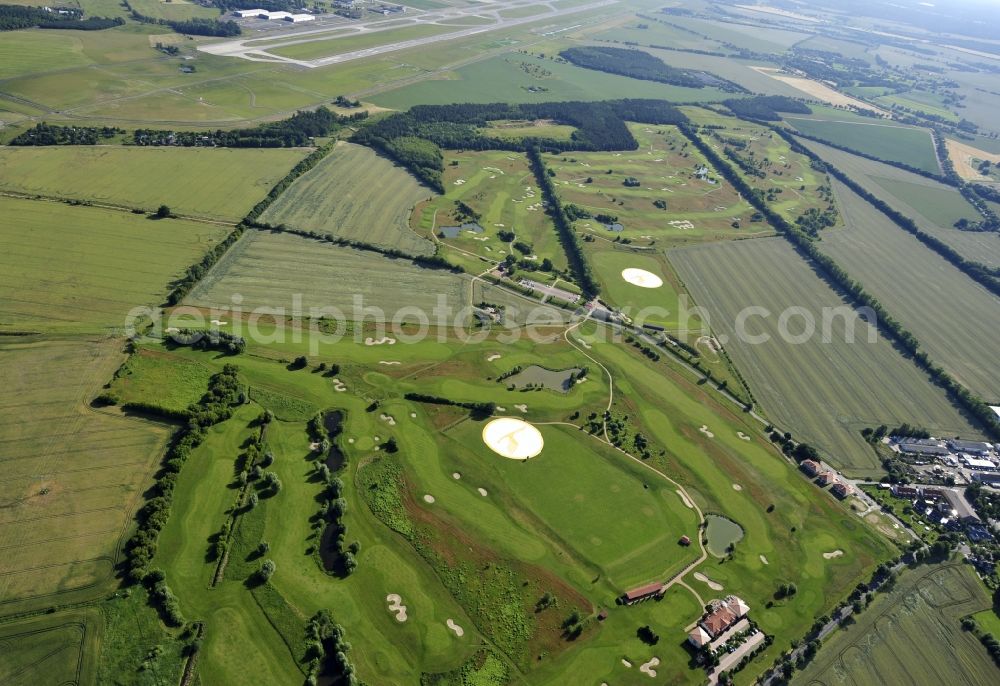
(763, 559)
(396, 605)
(459, 631)
(743, 436)
(641, 278)
(338, 385)
(687, 501)
(494, 356)
(513, 438)
(704, 430)
(737, 487)
(381, 341)
(626, 663)
(413, 415)
(389, 362)
(522, 407)
(429, 499)
(647, 668)
(216, 322)
(456, 476)
(835, 553)
(388, 419)
(714, 585)
(482, 492)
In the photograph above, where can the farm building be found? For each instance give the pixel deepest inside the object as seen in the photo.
(810, 467)
(977, 448)
(251, 13)
(980, 463)
(637, 595)
(986, 478)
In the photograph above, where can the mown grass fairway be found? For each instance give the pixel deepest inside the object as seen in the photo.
(907, 144)
(84, 268)
(215, 183)
(272, 269)
(72, 477)
(911, 635)
(787, 179)
(500, 187)
(660, 306)
(355, 194)
(951, 315)
(827, 391)
(665, 166)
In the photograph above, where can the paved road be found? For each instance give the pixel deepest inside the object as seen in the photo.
(245, 49)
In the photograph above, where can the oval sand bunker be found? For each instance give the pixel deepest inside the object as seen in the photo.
(513, 438)
(641, 278)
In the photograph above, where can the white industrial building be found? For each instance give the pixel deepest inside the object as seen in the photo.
(274, 16)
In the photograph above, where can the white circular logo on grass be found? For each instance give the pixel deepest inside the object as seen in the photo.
(642, 278)
(513, 438)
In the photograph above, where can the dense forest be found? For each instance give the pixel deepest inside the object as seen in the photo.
(766, 107)
(13, 17)
(633, 63)
(415, 138)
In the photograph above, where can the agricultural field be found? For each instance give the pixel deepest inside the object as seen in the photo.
(501, 191)
(72, 477)
(919, 101)
(896, 268)
(827, 391)
(672, 204)
(84, 268)
(911, 634)
(787, 179)
(58, 648)
(356, 194)
(281, 270)
(906, 144)
(934, 206)
(221, 184)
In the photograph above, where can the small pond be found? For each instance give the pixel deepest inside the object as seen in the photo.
(456, 231)
(721, 533)
(546, 378)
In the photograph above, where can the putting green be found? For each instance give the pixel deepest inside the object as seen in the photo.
(513, 438)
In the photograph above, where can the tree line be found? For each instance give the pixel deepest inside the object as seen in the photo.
(299, 130)
(852, 289)
(196, 26)
(14, 17)
(577, 260)
(988, 277)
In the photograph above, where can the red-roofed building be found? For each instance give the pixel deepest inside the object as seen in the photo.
(841, 490)
(685, 540)
(637, 595)
(810, 467)
(827, 478)
(724, 614)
